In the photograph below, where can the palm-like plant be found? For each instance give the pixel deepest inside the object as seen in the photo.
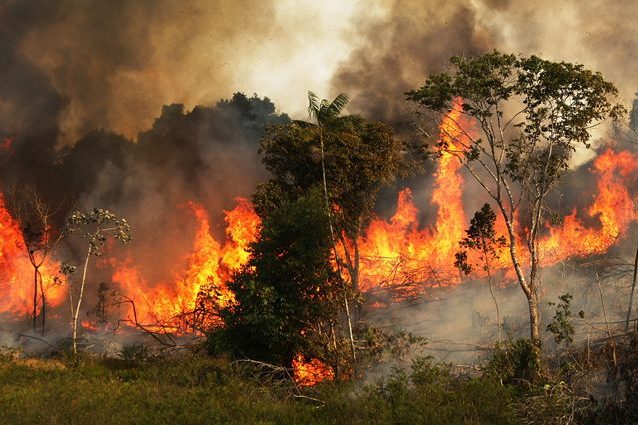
(324, 111)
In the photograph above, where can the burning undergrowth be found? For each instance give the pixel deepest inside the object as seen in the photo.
(169, 187)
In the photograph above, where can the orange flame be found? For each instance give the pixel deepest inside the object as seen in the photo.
(209, 265)
(6, 144)
(16, 272)
(399, 254)
(308, 373)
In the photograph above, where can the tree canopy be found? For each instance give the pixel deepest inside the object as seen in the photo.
(520, 121)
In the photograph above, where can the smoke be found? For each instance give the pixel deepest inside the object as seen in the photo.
(93, 76)
(117, 62)
(396, 49)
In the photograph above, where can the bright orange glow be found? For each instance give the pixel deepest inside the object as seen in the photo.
(209, 265)
(6, 144)
(613, 207)
(308, 373)
(16, 272)
(401, 255)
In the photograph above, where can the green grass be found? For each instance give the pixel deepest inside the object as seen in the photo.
(210, 391)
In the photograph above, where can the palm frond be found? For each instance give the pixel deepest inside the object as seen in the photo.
(325, 110)
(334, 108)
(314, 106)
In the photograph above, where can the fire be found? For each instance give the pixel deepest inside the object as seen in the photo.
(398, 252)
(6, 144)
(310, 372)
(613, 208)
(16, 272)
(209, 265)
(400, 256)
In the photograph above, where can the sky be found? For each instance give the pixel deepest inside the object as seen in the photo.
(114, 64)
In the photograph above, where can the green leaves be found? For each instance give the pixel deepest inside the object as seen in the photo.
(288, 287)
(561, 325)
(361, 156)
(549, 103)
(481, 237)
(324, 111)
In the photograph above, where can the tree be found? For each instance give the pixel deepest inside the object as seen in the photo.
(350, 158)
(324, 113)
(361, 157)
(288, 294)
(481, 237)
(37, 225)
(530, 114)
(96, 224)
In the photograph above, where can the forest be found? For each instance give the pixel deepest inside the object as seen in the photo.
(233, 264)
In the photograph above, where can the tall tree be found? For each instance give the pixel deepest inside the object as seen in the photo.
(350, 158)
(324, 112)
(530, 115)
(361, 157)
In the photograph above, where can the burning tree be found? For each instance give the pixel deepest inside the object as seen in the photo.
(531, 115)
(36, 220)
(96, 224)
(288, 294)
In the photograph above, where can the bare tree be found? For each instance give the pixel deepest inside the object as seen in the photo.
(96, 225)
(36, 220)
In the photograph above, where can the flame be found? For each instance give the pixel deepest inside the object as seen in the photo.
(398, 253)
(209, 265)
(16, 272)
(400, 256)
(613, 208)
(310, 372)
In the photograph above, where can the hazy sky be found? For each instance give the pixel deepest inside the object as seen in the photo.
(114, 64)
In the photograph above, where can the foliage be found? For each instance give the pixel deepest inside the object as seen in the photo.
(480, 236)
(98, 218)
(194, 390)
(323, 110)
(360, 158)
(513, 363)
(561, 325)
(530, 116)
(96, 224)
(288, 293)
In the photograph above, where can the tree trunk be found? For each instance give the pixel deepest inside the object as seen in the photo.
(77, 309)
(529, 288)
(631, 294)
(489, 281)
(534, 322)
(35, 298)
(334, 244)
(43, 311)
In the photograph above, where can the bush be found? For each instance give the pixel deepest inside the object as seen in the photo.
(514, 363)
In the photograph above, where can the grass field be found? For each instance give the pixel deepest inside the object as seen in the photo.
(200, 390)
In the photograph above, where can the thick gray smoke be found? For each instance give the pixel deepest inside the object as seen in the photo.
(394, 51)
(115, 63)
